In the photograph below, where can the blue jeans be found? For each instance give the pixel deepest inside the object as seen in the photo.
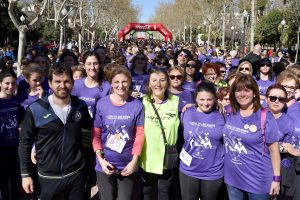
(237, 194)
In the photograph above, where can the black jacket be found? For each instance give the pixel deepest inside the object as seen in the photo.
(58, 146)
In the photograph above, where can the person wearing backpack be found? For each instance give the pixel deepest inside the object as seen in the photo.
(252, 160)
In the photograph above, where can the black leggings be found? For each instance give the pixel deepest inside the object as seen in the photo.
(10, 178)
(157, 186)
(115, 186)
(193, 188)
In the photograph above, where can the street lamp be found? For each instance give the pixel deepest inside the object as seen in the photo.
(22, 18)
(245, 18)
(64, 12)
(283, 23)
(232, 29)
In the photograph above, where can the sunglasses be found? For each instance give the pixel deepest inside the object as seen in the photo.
(161, 63)
(243, 68)
(191, 65)
(222, 71)
(178, 77)
(265, 65)
(140, 58)
(274, 99)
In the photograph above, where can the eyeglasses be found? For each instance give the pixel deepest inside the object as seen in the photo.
(223, 71)
(178, 77)
(191, 65)
(289, 87)
(243, 68)
(274, 99)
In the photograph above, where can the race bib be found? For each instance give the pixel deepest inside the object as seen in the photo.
(185, 157)
(116, 143)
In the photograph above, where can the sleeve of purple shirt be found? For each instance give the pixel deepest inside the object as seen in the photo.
(271, 129)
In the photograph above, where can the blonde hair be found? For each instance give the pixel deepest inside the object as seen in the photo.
(249, 64)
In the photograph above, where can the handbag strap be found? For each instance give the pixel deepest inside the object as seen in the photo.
(160, 123)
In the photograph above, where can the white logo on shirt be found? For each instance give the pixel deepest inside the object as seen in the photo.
(200, 141)
(235, 146)
(76, 116)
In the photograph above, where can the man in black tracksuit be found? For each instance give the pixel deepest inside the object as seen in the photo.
(53, 125)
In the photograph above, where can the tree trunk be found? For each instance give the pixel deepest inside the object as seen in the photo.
(223, 28)
(21, 49)
(297, 50)
(61, 35)
(253, 23)
(93, 38)
(79, 41)
(209, 30)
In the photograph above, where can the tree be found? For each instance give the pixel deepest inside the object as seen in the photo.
(8, 30)
(23, 28)
(267, 28)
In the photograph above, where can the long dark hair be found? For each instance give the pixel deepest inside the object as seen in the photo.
(270, 73)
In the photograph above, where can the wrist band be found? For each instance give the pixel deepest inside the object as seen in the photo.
(99, 152)
(277, 178)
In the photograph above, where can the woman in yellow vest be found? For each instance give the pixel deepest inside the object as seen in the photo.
(153, 171)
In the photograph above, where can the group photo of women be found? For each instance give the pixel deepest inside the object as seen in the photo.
(167, 124)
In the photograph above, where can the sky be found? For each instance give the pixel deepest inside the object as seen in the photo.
(148, 9)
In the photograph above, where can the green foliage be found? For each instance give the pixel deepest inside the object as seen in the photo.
(7, 28)
(267, 27)
(48, 31)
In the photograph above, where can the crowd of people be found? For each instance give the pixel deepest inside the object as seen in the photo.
(146, 120)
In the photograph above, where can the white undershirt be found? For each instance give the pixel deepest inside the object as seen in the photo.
(62, 113)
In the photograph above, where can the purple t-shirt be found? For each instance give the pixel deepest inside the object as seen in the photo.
(190, 86)
(293, 111)
(296, 136)
(25, 99)
(286, 128)
(185, 97)
(140, 80)
(9, 119)
(263, 86)
(120, 120)
(247, 159)
(203, 141)
(235, 62)
(90, 95)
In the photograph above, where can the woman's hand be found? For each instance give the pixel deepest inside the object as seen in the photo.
(288, 148)
(275, 187)
(187, 106)
(40, 91)
(130, 167)
(105, 165)
(136, 94)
